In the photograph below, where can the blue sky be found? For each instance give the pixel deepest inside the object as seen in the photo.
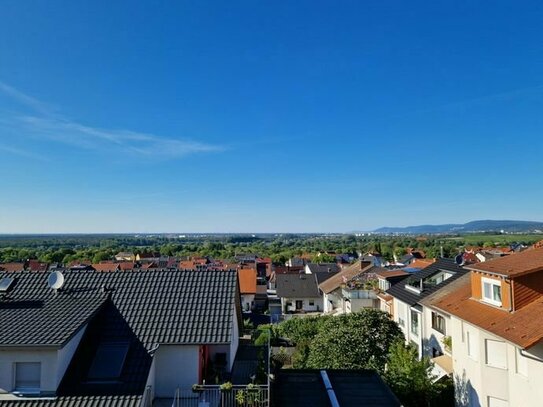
(279, 116)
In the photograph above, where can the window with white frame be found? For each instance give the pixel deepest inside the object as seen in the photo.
(27, 377)
(521, 363)
(496, 353)
(471, 341)
(401, 314)
(492, 291)
(438, 322)
(414, 322)
(496, 402)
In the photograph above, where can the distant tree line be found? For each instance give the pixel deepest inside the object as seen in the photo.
(95, 248)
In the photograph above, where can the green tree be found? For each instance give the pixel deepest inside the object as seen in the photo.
(360, 340)
(410, 378)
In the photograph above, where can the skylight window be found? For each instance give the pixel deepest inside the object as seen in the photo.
(5, 284)
(108, 361)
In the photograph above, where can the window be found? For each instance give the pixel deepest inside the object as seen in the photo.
(108, 361)
(438, 323)
(471, 339)
(27, 377)
(521, 362)
(401, 314)
(495, 402)
(492, 291)
(311, 303)
(496, 354)
(414, 322)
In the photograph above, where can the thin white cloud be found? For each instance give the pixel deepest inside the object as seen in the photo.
(22, 153)
(26, 100)
(47, 124)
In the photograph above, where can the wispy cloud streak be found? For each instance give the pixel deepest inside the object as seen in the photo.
(22, 153)
(46, 123)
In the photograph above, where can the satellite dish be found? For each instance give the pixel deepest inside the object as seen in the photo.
(55, 280)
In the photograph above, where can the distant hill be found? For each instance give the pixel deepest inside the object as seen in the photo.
(509, 226)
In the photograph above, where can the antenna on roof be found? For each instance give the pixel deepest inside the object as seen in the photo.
(55, 280)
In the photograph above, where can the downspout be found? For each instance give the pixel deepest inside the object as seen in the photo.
(511, 298)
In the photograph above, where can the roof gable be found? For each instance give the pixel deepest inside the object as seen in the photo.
(161, 307)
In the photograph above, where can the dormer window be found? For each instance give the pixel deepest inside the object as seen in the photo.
(492, 291)
(108, 362)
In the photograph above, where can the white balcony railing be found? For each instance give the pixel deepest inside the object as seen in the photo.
(213, 396)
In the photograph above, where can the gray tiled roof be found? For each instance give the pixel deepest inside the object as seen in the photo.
(411, 298)
(323, 267)
(161, 307)
(300, 285)
(76, 401)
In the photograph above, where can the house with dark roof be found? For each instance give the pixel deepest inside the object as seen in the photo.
(114, 338)
(496, 331)
(331, 388)
(299, 293)
(406, 305)
(312, 268)
(347, 290)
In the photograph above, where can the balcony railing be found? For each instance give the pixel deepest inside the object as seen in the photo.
(213, 396)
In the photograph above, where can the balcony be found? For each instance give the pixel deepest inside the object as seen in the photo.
(213, 396)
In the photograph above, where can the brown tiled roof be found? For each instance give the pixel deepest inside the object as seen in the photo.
(421, 263)
(522, 327)
(105, 267)
(288, 269)
(247, 281)
(391, 273)
(126, 265)
(344, 275)
(35, 265)
(513, 265)
(12, 266)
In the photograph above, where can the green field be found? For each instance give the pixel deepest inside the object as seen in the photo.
(498, 239)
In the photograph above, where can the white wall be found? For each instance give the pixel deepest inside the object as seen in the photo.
(235, 340)
(401, 310)
(476, 380)
(175, 366)
(151, 379)
(316, 307)
(65, 354)
(47, 358)
(54, 362)
(432, 338)
(247, 301)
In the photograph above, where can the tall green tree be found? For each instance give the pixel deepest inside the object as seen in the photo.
(360, 340)
(409, 378)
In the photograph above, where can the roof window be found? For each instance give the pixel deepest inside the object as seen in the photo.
(108, 361)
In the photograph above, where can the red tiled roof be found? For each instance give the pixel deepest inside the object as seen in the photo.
(35, 265)
(105, 267)
(517, 264)
(12, 266)
(421, 264)
(522, 327)
(391, 273)
(127, 265)
(247, 281)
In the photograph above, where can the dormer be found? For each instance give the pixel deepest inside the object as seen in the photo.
(509, 282)
(491, 289)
